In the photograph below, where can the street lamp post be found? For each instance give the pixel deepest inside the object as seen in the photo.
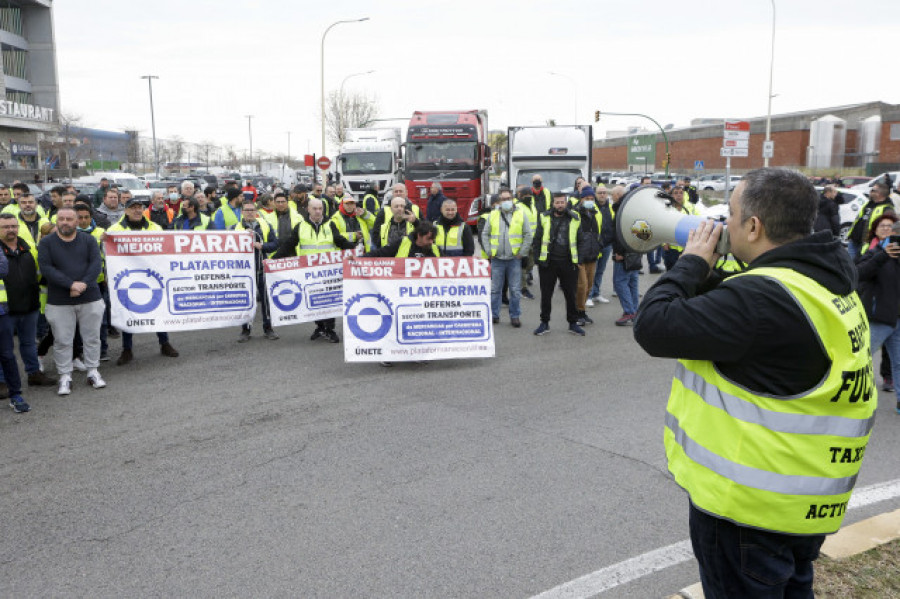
(575, 94)
(250, 131)
(771, 70)
(150, 79)
(322, 70)
(661, 130)
(341, 98)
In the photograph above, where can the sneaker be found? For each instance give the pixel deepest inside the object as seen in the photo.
(580, 321)
(104, 355)
(95, 380)
(78, 365)
(39, 379)
(526, 293)
(17, 403)
(244, 337)
(270, 334)
(587, 319)
(168, 351)
(602, 300)
(317, 334)
(542, 329)
(576, 329)
(589, 303)
(65, 385)
(125, 357)
(888, 384)
(624, 320)
(332, 336)
(387, 364)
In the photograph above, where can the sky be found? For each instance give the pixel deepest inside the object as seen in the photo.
(219, 60)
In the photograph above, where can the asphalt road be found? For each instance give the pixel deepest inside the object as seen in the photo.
(275, 469)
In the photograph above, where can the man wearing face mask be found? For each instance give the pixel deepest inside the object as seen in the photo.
(588, 250)
(187, 192)
(506, 234)
(526, 202)
(556, 248)
(543, 201)
(454, 237)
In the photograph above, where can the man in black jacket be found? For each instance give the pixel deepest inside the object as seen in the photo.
(556, 253)
(828, 218)
(435, 201)
(774, 370)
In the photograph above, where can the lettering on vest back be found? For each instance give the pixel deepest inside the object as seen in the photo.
(826, 510)
(863, 385)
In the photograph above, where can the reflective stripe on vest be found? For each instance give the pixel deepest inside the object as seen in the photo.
(339, 220)
(406, 245)
(386, 226)
(450, 241)
(514, 231)
(312, 242)
(786, 464)
(573, 237)
(97, 234)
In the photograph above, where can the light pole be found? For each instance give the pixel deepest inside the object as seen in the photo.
(150, 79)
(771, 70)
(661, 130)
(250, 131)
(575, 94)
(322, 70)
(288, 157)
(341, 97)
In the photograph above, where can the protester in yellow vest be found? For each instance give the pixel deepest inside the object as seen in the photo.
(354, 222)
(507, 235)
(315, 235)
(454, 236)
(773, 397)
(265, 242)
(556, 248)
(527, 202)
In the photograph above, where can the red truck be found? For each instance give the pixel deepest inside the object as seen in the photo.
(450, 147)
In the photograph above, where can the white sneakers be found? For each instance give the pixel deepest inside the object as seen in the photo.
(96, 381)
(65, 385)
(589, 303)
(602, 299)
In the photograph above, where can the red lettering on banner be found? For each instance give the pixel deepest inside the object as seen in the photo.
(416, 268)
(305, 261)
(171, 242)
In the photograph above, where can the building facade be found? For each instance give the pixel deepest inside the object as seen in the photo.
(859, 136)
(30, 102)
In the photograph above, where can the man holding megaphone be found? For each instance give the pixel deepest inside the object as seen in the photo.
(774, 371)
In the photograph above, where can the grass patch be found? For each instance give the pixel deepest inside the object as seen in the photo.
(874, 574)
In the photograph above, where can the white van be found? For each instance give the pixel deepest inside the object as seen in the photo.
(127, 181)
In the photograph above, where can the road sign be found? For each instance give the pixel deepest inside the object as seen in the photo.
(642, 150)
(734, 152)
(324, 163)
(768, 149)
(735, 143)
(738, 126)
(698, 165)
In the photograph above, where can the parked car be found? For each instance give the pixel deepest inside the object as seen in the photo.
(850, 181)
(865, 187)
(850, 202)
(719, 184)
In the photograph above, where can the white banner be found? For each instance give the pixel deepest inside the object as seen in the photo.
(174, 281)
(306, 288)
(403, 309)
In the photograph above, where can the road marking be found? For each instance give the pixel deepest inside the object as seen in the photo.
(631, 569)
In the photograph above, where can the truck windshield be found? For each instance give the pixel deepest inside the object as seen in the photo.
(366, 163)
(442, 160)
(555, 180)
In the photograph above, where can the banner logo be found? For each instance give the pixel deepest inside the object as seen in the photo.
(139, 291)
(287, 294)
(369, 316)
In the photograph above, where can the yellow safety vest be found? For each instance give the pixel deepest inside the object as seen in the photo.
(877, 211)
(531, 212)
(406, 245)
(272, 217)
(386, 226)
(786, 464)
(311, 242)
(151, 226)
(449, 240)
(263, 225)
(365, 223)
(25, 232)
(515, 231)
(227, 215)
(573, 237)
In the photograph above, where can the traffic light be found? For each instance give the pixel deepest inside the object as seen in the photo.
(596, 116)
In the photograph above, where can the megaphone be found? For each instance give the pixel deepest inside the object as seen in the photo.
(645, 219)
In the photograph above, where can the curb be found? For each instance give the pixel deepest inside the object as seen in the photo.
(848, 541)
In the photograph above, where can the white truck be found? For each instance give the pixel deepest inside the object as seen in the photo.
(557, 154)
(370, 156)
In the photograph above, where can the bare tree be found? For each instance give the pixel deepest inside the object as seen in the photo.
(177, 146)
(206, 148)
(348, 111)
(67, 122)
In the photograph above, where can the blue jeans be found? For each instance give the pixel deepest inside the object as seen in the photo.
(128, 339)
(853, 249)
(737, 561)
(509, 271)
(625, 282)
(654, 257)
(8, 356)
(25, 326)
(601, 268)
(889, 336)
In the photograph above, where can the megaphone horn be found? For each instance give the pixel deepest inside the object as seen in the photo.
(645, 220)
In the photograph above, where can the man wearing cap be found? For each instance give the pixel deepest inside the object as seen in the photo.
(229, 215)
(134, 220)
(354, 222)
